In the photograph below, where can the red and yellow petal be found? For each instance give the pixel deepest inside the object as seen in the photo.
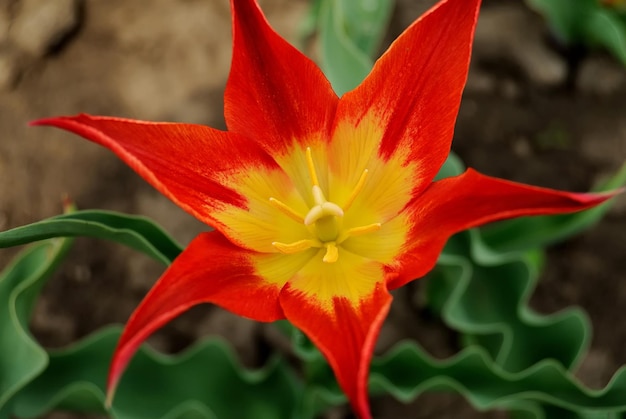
(223, 179)
(459, 203)
(210, 270)
(341, 307)
(274, 95)
(389, 184)
(413, 93)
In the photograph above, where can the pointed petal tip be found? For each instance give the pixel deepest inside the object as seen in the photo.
(592, 199)
(41, 121)
(284, 94)
(420, 77)
(108, 401)
(56, 121)
(348, 344)
(234, 286)
(612, 193)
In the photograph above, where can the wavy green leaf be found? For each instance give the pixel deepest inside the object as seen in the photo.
(137, 232)
(484, 295)
(22, 358)
(206, 381)
(33, 382)
(544, 390)
(407, 371)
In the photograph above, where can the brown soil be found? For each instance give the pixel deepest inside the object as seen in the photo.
(170, 62)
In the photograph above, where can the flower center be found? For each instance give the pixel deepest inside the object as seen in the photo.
(324, 220)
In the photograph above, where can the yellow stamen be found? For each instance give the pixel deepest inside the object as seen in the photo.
(296, 247)
(356, 190)
(332, 253)
(287, 210)
(311, 166)
(358, 231)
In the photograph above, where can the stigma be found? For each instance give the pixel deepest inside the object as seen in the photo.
(324, 219)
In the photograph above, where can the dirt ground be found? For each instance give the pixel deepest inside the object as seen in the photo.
(520, 120)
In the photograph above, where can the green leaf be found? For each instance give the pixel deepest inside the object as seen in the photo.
(407, 371)
(350, 32)
(604, 27)
(22, 358)
(365, 22)
(308, 26)
(453, 166)
(484, 295)
(566, 17)
(205, 381)
(33, 382)
(136, 232)
(526, 233)
(586, 22)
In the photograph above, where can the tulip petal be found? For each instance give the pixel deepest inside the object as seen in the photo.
(389, 184)
(222, 179)
(274, 95)
(341, 307)
(470, 200)
(414, 90)
(210, 270)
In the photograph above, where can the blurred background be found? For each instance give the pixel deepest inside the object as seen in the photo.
(530, 113)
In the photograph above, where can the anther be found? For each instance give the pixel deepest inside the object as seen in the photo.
(356, 190)
(358, 231)
(296, 247)
(311, 166)
(287, 210)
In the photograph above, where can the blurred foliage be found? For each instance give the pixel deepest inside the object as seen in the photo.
(587, 23)
(350, 33)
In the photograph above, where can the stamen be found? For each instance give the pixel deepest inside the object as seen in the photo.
(332, 253)
(358, 231)
(296, 247)
(287, 210)
(311, 166)
(356, 190)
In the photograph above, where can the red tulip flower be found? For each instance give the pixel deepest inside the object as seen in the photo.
(320, 205)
